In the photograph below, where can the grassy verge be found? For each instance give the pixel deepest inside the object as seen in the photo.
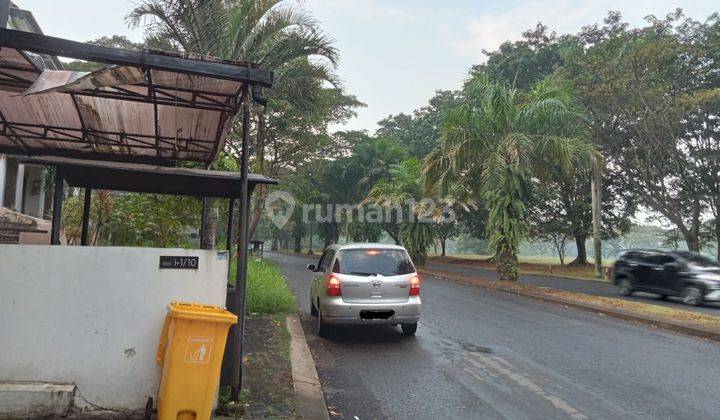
(548, 266)
(267, 384)
(267, 290)
(267, 373)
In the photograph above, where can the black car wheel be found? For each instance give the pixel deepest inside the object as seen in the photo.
(313, 309)
(625, 287)
(691, 295)
(324, 330)
(409, 329)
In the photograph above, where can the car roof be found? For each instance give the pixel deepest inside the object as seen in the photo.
(365, 245)
(654, 250)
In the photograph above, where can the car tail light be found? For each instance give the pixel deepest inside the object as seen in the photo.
(333, 286)
(415, 286)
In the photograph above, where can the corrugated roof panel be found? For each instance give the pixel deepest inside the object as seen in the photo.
(124, 111)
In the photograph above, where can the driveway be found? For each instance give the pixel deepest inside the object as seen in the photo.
(484, 354)
(590, 287)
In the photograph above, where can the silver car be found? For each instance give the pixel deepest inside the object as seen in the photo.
(365, 283)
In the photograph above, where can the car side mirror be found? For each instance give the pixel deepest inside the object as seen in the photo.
(311, 267)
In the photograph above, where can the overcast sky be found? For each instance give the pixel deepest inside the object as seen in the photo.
(394, 53)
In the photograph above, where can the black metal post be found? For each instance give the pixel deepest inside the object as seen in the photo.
(57, 208)
(43, 44)
(86, 217)
(241, 277)
(231, 210)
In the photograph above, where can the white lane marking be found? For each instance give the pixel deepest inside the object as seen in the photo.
(498, 365)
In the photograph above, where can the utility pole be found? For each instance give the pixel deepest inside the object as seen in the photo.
(595, 192)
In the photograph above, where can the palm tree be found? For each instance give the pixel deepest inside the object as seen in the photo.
(496, 143)
(271, 33)
(401, 187)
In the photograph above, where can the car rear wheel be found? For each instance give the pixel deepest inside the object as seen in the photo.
(313, 309)
(409, 329)
(625, 287)
(323, 329)
(692, 296)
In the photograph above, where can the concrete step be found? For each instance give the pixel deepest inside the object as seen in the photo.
(22, 400)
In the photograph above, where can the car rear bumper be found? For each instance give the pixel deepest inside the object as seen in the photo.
(336, 311)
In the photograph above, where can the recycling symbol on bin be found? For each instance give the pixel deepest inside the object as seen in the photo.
(198, 349)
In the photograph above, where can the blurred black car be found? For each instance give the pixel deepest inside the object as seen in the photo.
(692, 276)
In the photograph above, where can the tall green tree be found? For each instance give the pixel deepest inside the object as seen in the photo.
(407, 220)
(420, 132)
(566, 197)
(653, 99)
(496, 142)
(525, 62)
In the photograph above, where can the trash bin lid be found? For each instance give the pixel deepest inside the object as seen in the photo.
(200, 312)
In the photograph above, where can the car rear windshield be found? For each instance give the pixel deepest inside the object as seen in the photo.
(371, 262)
(698, 260)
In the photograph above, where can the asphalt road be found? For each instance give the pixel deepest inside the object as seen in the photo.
(590, 287)
(483, 354)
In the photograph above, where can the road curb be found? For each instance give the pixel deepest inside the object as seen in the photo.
(308, 391)
(491, 285)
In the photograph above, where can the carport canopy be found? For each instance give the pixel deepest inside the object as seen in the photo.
(147, 106)
(124, 126)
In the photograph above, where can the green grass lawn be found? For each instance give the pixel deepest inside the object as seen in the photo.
(267, 292)
(532, 259)
(531, 265)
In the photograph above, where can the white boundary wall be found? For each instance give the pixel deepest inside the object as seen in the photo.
(92, 316)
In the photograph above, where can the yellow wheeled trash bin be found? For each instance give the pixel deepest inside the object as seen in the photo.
(191, 349)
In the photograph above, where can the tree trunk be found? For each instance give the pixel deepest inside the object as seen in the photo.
(596, 202)
(717, 235)
(298, 244)
(394, 236)
(507, 264)
(211, 222)
(285, 240)
(258, 197)
(560, 248)
(260, 190)
(692, 241)
(581, 258)
(310, 239)
(442, 246)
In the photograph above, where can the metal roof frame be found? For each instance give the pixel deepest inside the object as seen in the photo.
(201, 66)
(211, 88)
(141, 178)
